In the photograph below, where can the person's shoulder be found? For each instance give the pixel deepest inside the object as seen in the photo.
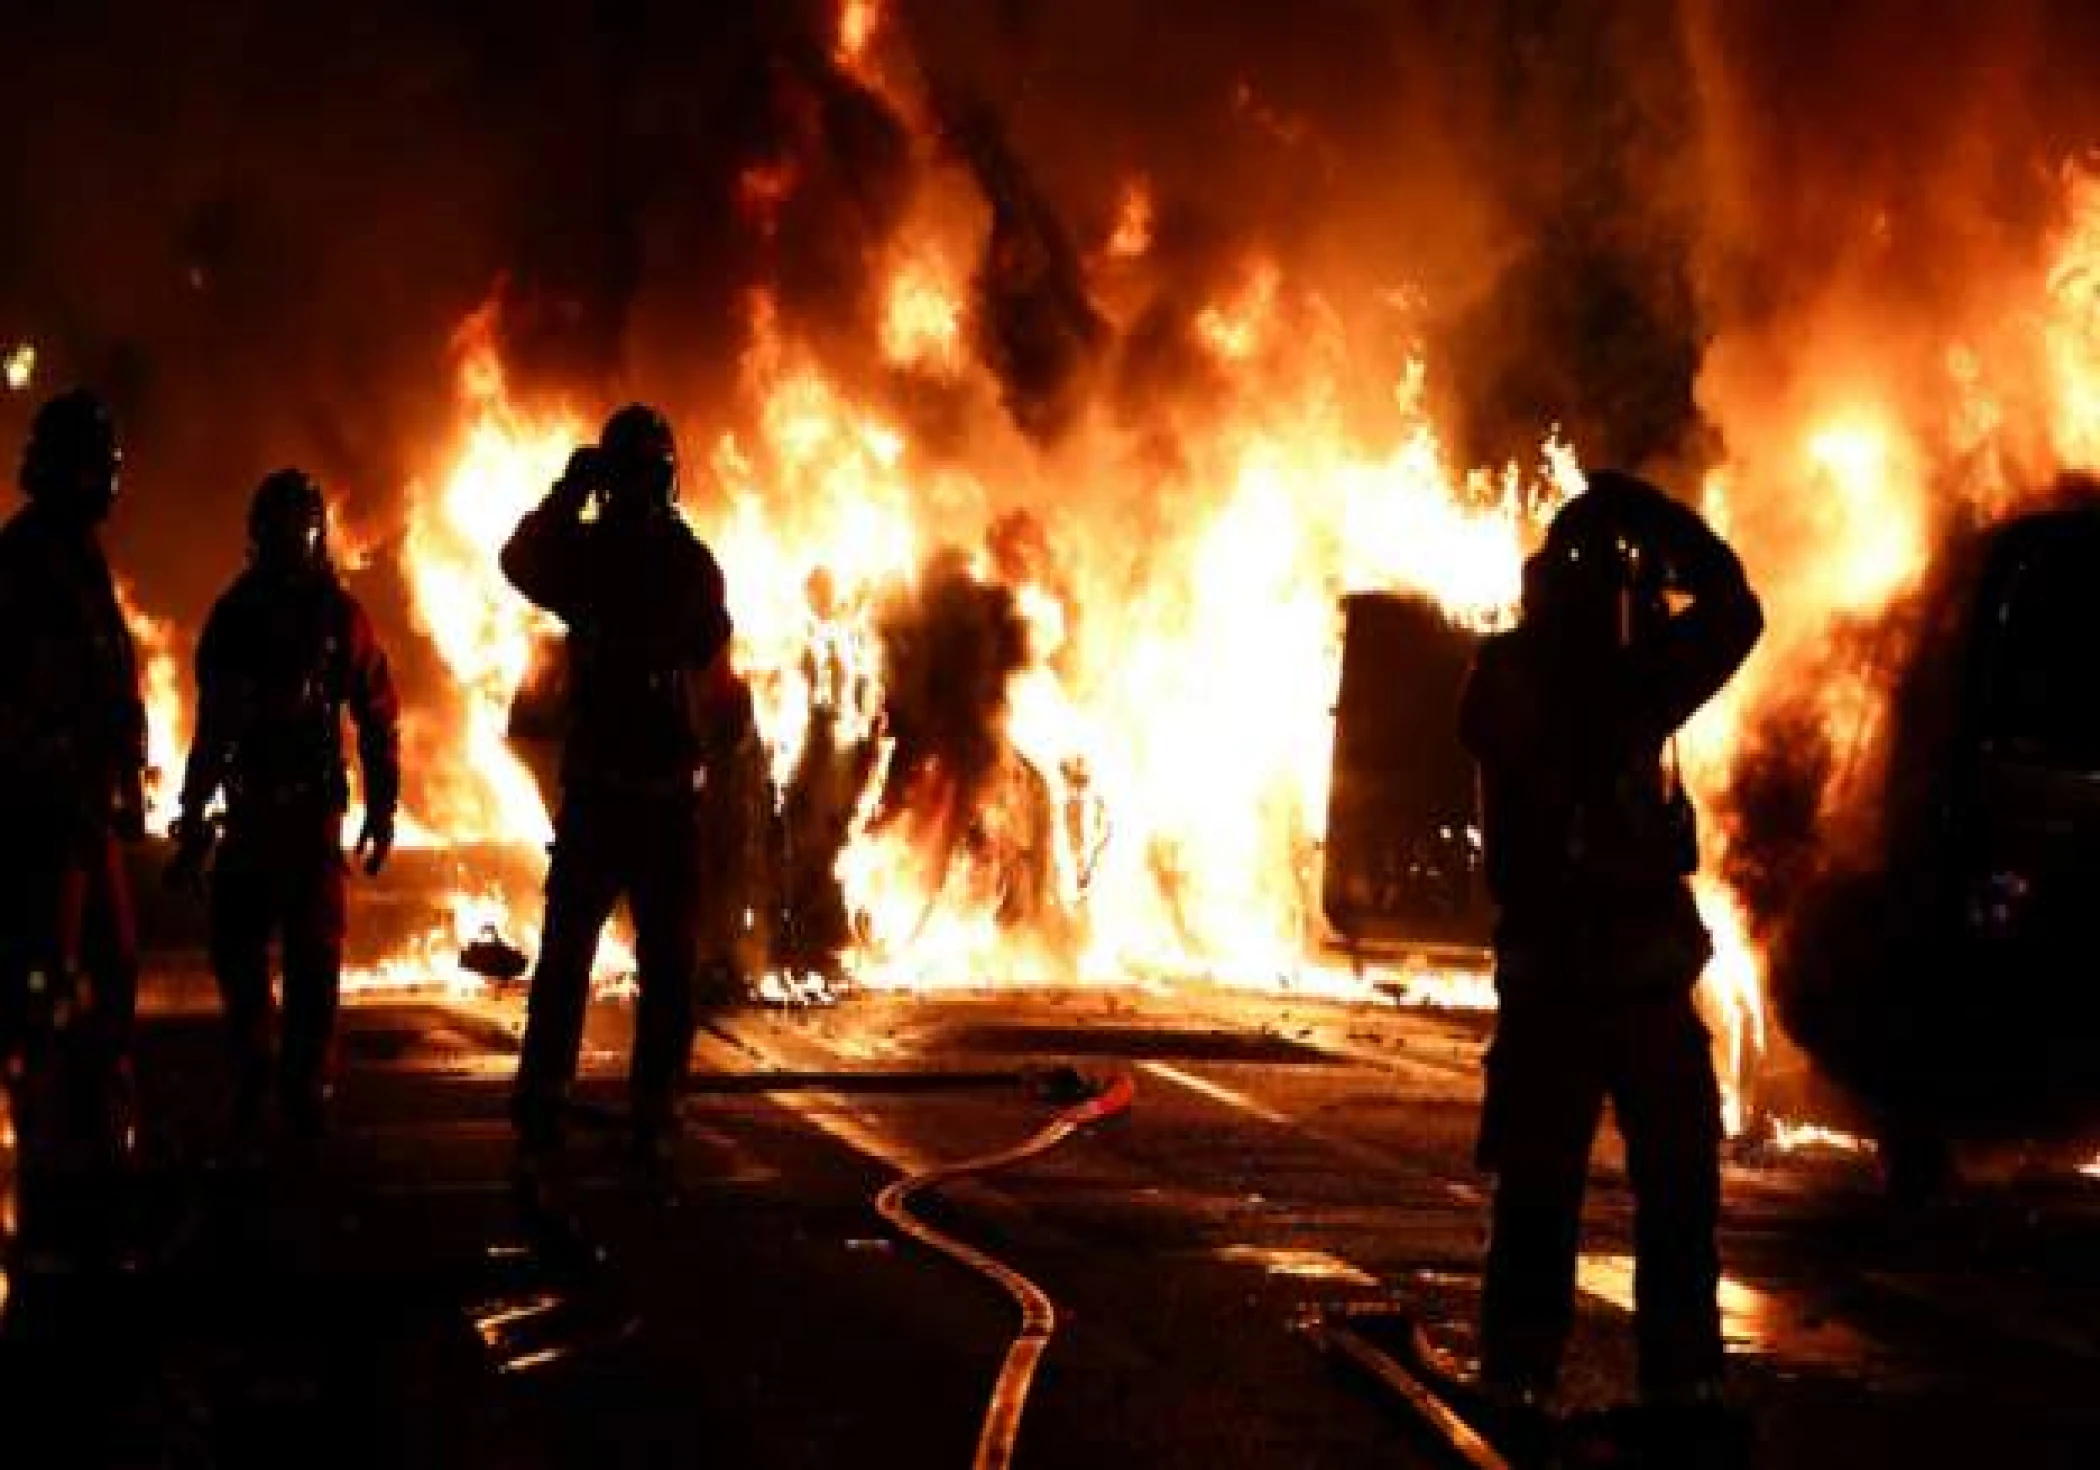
(242, 595)
(25, 536)
(681, 532)
(1501, 655)
(349, 613)
(1504, 682)
(341, 598)
(691, 548)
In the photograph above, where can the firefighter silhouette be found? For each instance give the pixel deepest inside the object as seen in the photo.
(1634, 615)
(72, 761)
(648, 631)
(285, 651)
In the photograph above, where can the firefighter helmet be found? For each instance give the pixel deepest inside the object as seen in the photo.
(72, 459)
(639, 456)
(1594, 577)
(288, 522)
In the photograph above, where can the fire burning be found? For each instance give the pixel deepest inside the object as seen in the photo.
(1035, 545)
(167, 709)
(1065, 774)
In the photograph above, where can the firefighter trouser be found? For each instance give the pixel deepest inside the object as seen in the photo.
(280, 874)
(1549, 1071)
(606, 846)
(68, 998)
(68, 956)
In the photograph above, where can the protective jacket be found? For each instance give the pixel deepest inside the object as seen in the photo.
(280, 659)
(643, 600)
(1588, 839)
(72, 724)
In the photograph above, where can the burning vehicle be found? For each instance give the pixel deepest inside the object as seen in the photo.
(932, 765)
(1402, 873)
(1895, 972)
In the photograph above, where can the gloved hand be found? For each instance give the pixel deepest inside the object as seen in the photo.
(193, 844)
(584, 474)
(375, 843)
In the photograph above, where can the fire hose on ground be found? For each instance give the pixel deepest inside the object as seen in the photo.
(1002, 1420)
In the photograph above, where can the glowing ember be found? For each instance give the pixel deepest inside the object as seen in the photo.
(1813, 1137)
(20, 366)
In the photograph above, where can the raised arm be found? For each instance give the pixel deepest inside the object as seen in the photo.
(545, 557)
(1686, 663)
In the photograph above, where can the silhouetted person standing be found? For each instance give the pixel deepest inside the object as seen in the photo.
(285, 652)
(642, 598)
(1634, 615)
(72, 763)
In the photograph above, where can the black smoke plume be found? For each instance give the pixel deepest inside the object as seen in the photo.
(950, 646)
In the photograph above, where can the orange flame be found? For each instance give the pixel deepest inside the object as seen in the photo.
(1132, 235)
(1167, 745)
(1173, 720)
(167, 710)
(858, 22)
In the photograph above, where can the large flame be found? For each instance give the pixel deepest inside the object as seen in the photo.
(479, 626)
(1174, 713)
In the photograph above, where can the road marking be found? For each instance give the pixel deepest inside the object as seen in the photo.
(1218, 1092)
(829, 1113)
(1348, 1148)
(1297, 1264)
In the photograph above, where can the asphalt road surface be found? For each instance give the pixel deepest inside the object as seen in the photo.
(386, 1296)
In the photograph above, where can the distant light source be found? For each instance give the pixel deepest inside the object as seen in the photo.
(20, 366)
